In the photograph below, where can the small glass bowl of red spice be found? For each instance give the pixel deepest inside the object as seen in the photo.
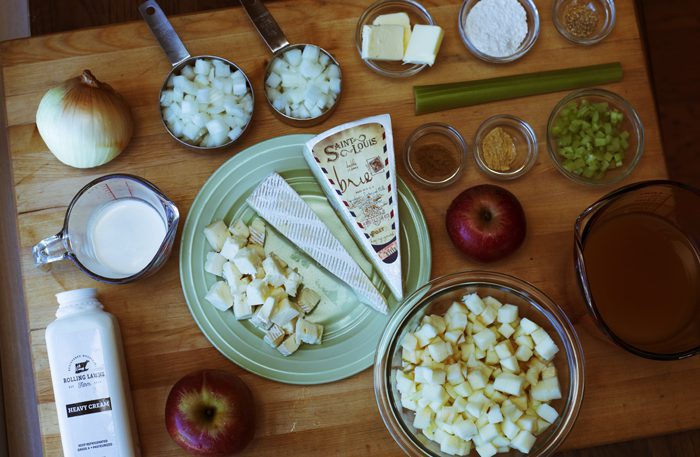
(584, 22)
(435, 154)
(505, 147)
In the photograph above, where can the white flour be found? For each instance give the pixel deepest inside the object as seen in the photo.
(497, 27)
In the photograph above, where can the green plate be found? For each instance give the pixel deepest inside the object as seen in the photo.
(351, 329)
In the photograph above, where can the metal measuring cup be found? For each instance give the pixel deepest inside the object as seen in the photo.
(179, 57)
(274, 38)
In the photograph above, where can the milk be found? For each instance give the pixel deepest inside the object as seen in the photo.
(125, 235)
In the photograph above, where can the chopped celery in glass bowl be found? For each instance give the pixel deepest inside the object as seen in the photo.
(594, 136)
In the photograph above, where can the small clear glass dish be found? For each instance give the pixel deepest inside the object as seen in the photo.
(435, 297)
(631, 123)
(435, 135)
(604, 11)
(417, 15)
(524, 140)
(533, 32)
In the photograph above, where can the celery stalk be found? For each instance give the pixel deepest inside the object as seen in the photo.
(438, 97)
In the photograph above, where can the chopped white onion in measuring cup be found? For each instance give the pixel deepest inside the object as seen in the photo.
(207, 104)
(303, 84)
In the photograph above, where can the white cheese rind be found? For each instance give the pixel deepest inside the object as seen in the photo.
(354, 164)
(276, 202)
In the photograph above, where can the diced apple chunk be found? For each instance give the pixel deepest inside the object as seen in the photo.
(486, 450)
(425, 375)
(507, 314)
(547, 413)
(474, 303)
(509, 383)
(528, 326)
(546, 390)
(439, 350)
(485, 339)
(523, 441)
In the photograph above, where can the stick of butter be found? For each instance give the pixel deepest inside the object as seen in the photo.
(401, 19)
(382, 42)
(424, 44)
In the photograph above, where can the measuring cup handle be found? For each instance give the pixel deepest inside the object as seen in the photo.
(265, 24)
(51, 249)
(164, 32)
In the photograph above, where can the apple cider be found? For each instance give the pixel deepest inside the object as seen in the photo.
(644, 277)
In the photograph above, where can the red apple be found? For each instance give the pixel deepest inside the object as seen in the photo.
(486, 223)
(210, 412)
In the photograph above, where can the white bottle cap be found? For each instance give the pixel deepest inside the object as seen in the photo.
(75, 300)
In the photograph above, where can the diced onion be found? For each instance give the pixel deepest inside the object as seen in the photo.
(304, 83)
(208, 104)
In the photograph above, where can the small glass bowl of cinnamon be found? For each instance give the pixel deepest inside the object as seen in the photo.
(435, 154)
(505, 147)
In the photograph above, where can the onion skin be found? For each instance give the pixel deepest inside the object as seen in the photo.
(84, 122)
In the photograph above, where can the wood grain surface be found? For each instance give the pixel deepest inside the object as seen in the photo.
(626, 397)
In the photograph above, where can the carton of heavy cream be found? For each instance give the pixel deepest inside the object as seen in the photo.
(354, 164)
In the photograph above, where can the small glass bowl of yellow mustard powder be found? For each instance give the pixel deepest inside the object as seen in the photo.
(505, 147)
(435, 154)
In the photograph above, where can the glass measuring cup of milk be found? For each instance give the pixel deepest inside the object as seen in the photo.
(118, 228)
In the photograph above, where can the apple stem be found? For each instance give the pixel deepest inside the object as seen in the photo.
(486, 215)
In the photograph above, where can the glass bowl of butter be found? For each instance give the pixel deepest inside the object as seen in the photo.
(383, 38)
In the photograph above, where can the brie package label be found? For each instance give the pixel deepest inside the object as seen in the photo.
(354, 163)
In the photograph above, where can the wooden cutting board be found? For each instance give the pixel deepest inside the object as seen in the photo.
(626, 397)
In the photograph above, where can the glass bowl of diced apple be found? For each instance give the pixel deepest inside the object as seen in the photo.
(479, 363)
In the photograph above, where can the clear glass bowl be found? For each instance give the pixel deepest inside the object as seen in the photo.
(435, 133)
(416, 13)
(604, 11)
(533, 32)
(434, 298)
(524, 139)
(631, 123)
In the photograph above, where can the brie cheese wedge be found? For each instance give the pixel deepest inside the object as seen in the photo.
(354, 164)
(276, 201)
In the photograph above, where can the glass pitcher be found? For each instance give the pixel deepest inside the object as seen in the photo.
(87, 212)
(638, 268)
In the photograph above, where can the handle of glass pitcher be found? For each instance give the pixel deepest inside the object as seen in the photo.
(51, 249)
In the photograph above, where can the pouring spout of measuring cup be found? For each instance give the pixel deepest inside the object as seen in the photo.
(49, 250)
(268, 29)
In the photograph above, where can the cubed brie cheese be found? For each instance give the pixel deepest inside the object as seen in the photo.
(231, 246)
(289, 346)
(308, 299)
(308, 332)
(257, 291)
(219, 295)
(241, 308)
(216, 234)
(214, 263)
(274, 271)
(292, 283)
(239, 229)
(247, 261)
(284, 312)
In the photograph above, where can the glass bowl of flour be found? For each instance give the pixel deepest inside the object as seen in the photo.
(499, 31)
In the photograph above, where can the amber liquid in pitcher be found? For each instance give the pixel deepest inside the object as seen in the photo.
(644, 276)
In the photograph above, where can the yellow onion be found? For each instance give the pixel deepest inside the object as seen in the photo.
(84, 122)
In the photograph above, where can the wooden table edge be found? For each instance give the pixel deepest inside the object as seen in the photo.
(21, 434)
